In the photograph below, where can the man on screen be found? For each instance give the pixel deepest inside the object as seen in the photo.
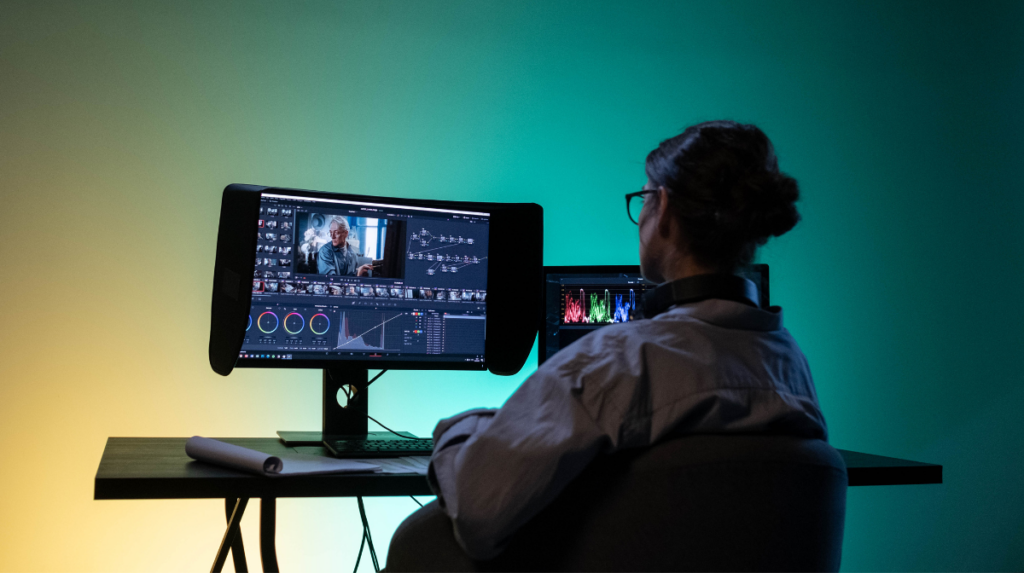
(338, 257)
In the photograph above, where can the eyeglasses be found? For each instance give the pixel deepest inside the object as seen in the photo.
(635, 204)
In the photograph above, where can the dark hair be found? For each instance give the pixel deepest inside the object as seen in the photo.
(726, 189)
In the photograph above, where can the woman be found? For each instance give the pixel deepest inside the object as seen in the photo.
(713, 195)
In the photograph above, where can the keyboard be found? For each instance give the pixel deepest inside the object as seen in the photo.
(391, 448)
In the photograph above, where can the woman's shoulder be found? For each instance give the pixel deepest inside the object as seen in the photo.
(618, 346)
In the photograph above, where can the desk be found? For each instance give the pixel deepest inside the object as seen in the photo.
(157, 468)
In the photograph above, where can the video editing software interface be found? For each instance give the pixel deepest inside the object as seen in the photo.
(577, 304)
(347, 280)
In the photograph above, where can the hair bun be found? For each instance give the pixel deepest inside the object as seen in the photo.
(768, 205)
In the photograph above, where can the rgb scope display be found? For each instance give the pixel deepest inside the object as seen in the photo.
(598, 304)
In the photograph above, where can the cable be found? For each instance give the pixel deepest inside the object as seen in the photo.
(362, 542)
(366, 533)
(389, 429)
(343, 387)
(345, 390)
(416, 500)
(369, 537)
(347, 395)
(381, 373)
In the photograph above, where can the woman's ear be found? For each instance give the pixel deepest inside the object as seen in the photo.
(664, 213)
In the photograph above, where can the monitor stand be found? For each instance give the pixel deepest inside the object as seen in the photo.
(343, 422)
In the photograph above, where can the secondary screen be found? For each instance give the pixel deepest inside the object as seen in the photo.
(355, 281)
(578, 303)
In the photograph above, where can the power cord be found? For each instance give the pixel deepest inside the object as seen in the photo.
(389, 429)
(367, 539)
(379, 374)
(372, 380)
(362, 542)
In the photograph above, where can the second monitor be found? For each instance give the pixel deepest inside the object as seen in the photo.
(581, 299)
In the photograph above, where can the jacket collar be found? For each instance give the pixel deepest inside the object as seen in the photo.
(729, 314)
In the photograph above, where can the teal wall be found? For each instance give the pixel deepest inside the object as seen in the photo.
(120, 123)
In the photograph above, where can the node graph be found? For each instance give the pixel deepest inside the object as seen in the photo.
(425, 238)
(443, 262)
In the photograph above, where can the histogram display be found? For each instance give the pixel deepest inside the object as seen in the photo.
(361, 331)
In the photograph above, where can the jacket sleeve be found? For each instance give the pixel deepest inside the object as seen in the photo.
(493, 470)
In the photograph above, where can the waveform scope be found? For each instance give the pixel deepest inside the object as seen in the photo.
(597, 306)
(623, 310)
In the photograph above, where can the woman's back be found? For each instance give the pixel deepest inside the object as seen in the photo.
(713, 365)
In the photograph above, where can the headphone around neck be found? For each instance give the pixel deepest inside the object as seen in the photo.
(698, 288)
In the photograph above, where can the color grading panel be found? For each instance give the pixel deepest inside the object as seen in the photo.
(287, 331)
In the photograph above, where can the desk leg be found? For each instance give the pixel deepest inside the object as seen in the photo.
(268, 515)
(230, 535)
(237, 548)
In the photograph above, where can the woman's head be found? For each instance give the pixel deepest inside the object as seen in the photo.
(724, 191)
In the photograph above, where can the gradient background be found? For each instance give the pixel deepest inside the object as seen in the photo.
(121, 122)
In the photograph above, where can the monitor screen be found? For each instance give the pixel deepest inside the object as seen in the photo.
(580, 299)
(346, 280)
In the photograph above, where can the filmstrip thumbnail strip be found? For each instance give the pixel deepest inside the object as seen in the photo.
(352, 290)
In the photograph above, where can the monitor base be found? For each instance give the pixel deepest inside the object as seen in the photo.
(293, 439)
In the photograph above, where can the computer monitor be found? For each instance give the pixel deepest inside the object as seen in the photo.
(347, 283)
(580, 299)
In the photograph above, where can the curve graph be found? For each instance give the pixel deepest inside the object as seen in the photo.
(369, 331)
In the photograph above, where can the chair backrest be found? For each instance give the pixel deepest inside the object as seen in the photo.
(704, 503)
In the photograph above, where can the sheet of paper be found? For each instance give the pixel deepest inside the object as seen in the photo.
(421, 462)
(404, 465)
(228, 455)
(303, 464)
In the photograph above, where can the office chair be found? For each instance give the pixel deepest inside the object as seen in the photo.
(693, 503)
